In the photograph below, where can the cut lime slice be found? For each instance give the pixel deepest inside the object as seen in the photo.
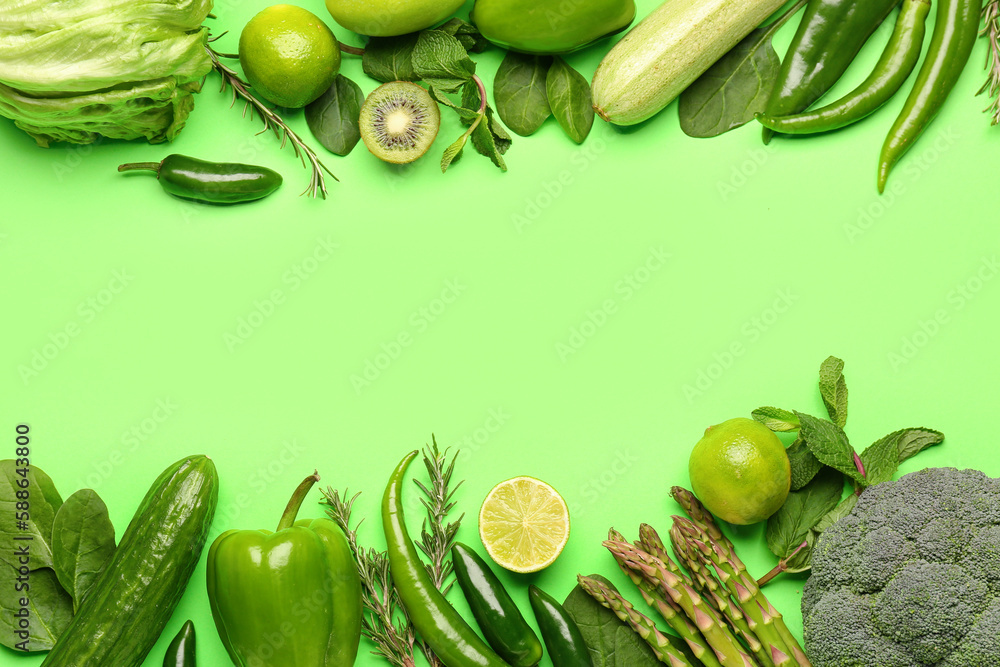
(524, 524)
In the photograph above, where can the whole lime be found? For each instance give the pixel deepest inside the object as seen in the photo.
(289, 55)
(740, 471)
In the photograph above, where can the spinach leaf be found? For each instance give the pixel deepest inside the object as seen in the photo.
(49, 609)
(602, 632)
(830, 445)
(333, 118)
(440, 60)
(570, 99)
(776, 419)
(790, 525)
(519, 89)
(390, 58)
(804, 464)
(833, 389)
(16, 482)
(736, 87)
(83, 541)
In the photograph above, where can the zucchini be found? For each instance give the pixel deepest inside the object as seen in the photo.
(130, 603)
(667, 51)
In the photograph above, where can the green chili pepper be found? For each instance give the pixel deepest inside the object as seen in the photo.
(561, 634)
(444, 630)
(897, 61)
(498, 617)
(181, 651)
(291, 597)
(829, 37)
(955, 29)
(211, 182)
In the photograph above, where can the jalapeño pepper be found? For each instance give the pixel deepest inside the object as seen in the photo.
(181, 652)
(210, 182)
(829, 37)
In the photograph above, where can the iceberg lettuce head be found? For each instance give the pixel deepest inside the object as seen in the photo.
(76, 70)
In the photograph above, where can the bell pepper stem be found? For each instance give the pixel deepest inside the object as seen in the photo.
(295, 502)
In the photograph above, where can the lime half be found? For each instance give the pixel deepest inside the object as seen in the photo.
(524, 524)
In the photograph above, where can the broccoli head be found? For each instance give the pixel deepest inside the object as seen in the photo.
(911, 578)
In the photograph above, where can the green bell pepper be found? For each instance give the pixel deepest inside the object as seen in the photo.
(547, 27)
(291, 597)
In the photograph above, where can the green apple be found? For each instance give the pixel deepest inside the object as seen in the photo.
(387, 18)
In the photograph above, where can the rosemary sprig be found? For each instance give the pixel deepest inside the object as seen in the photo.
(384, 622)
(437, 541)
(272, 121)
(991, 30)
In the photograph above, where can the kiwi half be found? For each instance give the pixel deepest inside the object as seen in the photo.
(399, 121)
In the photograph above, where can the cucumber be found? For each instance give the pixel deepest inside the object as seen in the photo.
(130, 603)
(667, 51)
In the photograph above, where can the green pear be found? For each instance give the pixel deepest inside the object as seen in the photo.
(387, 18)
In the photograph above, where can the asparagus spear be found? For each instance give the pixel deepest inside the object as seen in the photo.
(725, 645)
(701, 516)
(657, 641)
(764, 620)
(668, 609)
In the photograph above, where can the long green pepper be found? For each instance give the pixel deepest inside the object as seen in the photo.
(890, 72)
(831, 34)
(955, 30)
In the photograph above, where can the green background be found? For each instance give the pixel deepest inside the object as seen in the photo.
(581, 318)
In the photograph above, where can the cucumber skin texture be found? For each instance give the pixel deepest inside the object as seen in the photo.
(667, 51)
(128, 607)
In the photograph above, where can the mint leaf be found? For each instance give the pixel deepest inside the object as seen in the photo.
(776, 419)
(16, 482)
(836, 514)
(453, 152)
(912, 441)
(466, 33)
(570, 99)
(334, 117)
(881, 459)
(440, 57)
(83, 541)
(390, 58)
(803, 463)
(830, 445)
(50, 609)
(520, 92)
(833, 389)
(790, 525)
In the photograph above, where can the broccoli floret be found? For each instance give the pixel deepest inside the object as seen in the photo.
(911, 578)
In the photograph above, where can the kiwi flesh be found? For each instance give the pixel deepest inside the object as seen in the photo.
(399, 121)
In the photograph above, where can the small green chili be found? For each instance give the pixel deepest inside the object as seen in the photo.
(211, 182)
(898, 60)
(181, 652)
(955, 30)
